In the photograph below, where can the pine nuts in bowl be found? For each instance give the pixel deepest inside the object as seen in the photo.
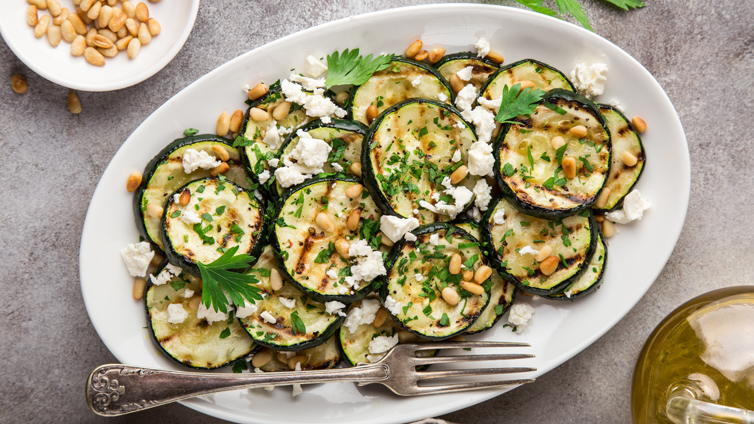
(103, 47)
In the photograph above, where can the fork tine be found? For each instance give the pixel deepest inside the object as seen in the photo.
(423, 375)
(449, 388)
(467, 358)
(462, 345)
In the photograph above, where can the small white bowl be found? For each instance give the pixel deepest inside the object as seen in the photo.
(59, 66)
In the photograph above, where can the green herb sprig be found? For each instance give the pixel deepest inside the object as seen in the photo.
(350, 67)
(574, 8)
(516, 102)
(218, 279)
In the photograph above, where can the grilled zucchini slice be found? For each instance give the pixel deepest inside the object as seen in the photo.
(624, 138)
(506, 231)
(592, 277)
(395, 84)
(305, 252)
(219, 215)
(318, 325)
(543, 76)
(164, 174)
(408, 153)
(417, 273)
(481, 70)
(324, 356)
(193, 342)
(528, 167)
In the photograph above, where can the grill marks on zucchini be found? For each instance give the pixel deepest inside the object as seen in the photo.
(592, 277)
(411, 147)
(480, 72)
(543, 76)
(321, 357)
(395, 84)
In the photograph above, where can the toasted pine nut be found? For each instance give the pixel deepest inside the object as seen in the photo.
(154, 210)
(341, 98)
(436, 54)
(94, 11)
(123, 33)
(602, 199)
(77, 23)
(472, 288)
(406, 337)
(54, 7)
(82, 15)
(42, 25)
(281, 111)
(371, 113)
(221, 152)
(569, 167)
(105, 15)
(385, 240)
(639, 125)
(85, 5)
(459, 174)
(482, 274)
(353, 219)
(122, 44)
(354, 191)
(298, 359)
(102, 41)
(549, 265)
(141, 12)
(223, 124)
(40, 4)
(380, 318)
(544, 253)
(133, 48)
(132, 27)
(144, 36)
(356, 169)
(133, 182)
(258, 91)
(154, 26)
(54, 35)
(599, 218)
(342, 246)
(324, 222)
(258, 115)
(608, 229)
(454, 266)
(281, 357)
(468, 275)
(456, 83)
(18, 82)
(90, 37)
(423, 54)
(578, 131)
(557, 142)
(414, 48)
(108, 34)
(194, 302)
(276, 281)
(74, 104)
(261, 358)
(32, 18)
(117, 22)
(94, 57)
(236, 120)
(451, 296)
(185, 197)
(78, 45)
(628, 158)
(112, 3)
(157, 259)
(129, 9)
(67, 31)
(139, 285)
(495, 57)
(220, 169)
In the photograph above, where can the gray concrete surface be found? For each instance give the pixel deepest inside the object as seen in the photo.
(701, 52)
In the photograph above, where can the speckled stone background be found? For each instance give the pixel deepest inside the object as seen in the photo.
(701, 51)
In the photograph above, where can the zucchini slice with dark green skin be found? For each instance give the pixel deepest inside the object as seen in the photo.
(306, 252)
(543, 76)
(407, 154)
(324, 356)
(395, 84)
(282, 334)
(506, 231)
(624, 138)
(481, 70)
(591, 279)
(164, 174)
(220, 214)
(527, 166)
(193, 342)
(416, 304)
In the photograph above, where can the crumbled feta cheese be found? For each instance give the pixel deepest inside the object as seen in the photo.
(528, 250)
(309, 84)
(332, 274)
(274, 162)
(364, 314)
(246, 310)
(310, 155)
(483, 120)
(410, 237)
(492, 105)
(382, 344)
(465, 73)
(634, 206)
(188, 293)
(416, 81)
(392, 306)
(520, 314)
(194, 159)
(589, 80)
(482, 47)
(568, 293)
(457, 156)
(483, 193)
(190, 217)
(369, 263)
(461, 197)
(314, 67)
(336, 166)
(288, 303)
(481, 160)
(614, 103)
(334, 307)
(434, 239)
(136, 257)
(428, 206)
(418, 277)
(212, 315)
(176, 313)
(474, 213)
(177, 198)
(165, 275)
(272, 135)
(435, 196)
(446, 183)
(465, 98)
(396, 228)
(318, 106)
(442, 97)
(499, 217)
(264, 176)
(293, 92)
(268, 318)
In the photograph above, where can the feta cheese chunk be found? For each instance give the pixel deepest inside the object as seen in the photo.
(461, 197)
(246, 310)
(492, 105)
(288, 303)
(483, 193)
(589, 80)
(310, 155)
(314, 67)
(410, 237)
(465, 73)
(293, 92)
(274, 162)
(381, 344)
(272, 135)
(392, 306)
(482, 47)
(136, 257)
(364, 314)
(176, 313)
(416, 81)
(187, 293)
(165, 275)
(634, 206)
(190, 217)
(481, 159)
(194, 159)
(483, 120)
(336, 166)
(434, 239)
(528, 250)
(442, 97)
(520, 314)
(334, 307)
(457, 156)
(332, 274)
(466, 97)
(264, 176)
(395, 228)
(212, 315)
(369, 264)
(268, 318)
(309, 84)
(499, 217)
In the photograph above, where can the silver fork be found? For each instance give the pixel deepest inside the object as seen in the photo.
(119, 389)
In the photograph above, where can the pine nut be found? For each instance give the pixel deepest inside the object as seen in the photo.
(94, 11)
(118, 22)
(123, 33)
(108, 34)
(259, 115)
(236, 119)
(482, 274)
(90, 37)
(105, 15)
(472, 288)
(94, 57)
(220, 169)
(129, 9)
(67, 31)
(423, 54)
(414, 48)
(454, 266)
(456, 83)
(276, 281)
(102, 41)
(356, 169)
(451, 296)
(74, 104)
(258, 91)
(40, 4)
(459, 174)
(112, 3)
(82, 15)
(261, 358)
(194, 303)
(608, 229)
(281, 111)
(221, 152)
(133, 48)
(281, 357)
(223, 124)
(495, 57)
(76, 2)
(406, 337)
(341, 98)
(154, 210)
(32, 18)
(599, 217)
(353, 219)
(371, 113)
(354, 191)
(569, 167)
(144, 36)
(342, 246)
(154, 26)
(468, 275)
(436, 54)
(141, 12)
(298, 359)
(602, 199)
(139, 285)
(385, 240)
(42, 25)
(544, 253)
(549, 265)
(85, 5)
(578, 131)
(639, 125)
(157, 259)
(185, 197)
(133, 182)
(557, 142)
(18, 82)
(78, 45)
(628, 158)
(325, 223)
(122, 44)
(380, 318)
(77, 23)
(132, 27)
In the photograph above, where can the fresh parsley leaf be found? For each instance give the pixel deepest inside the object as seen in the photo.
(190, 131)
(516, 102)
(218, 279)
(531, 159)
(573, 8)
(324, 255)
(350, 67)
(225, 333)
(444, 321)
(560, 152)
(555, 108)
(298, 324)
(239, 366)
(627, 4)
(536, 5)
(508, 170)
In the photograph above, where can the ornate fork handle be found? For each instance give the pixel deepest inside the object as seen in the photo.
(118, 389)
